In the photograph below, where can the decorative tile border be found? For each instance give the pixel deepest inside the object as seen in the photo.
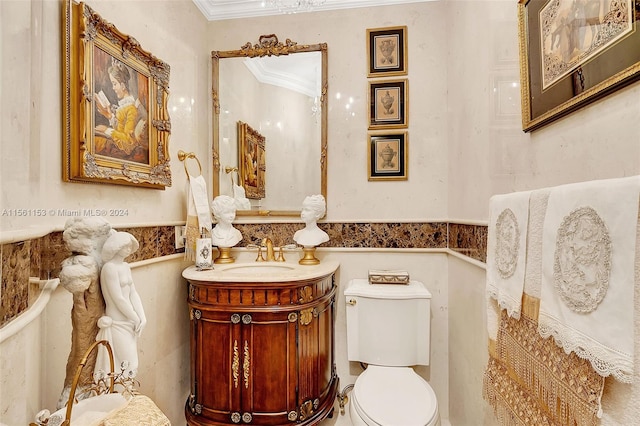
(42, 257)
(469, 240)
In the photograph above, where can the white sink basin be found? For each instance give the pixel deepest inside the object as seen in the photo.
(258, 268)
(261, 272)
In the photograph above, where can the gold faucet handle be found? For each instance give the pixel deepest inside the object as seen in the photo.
(280, 255)
(260, 258)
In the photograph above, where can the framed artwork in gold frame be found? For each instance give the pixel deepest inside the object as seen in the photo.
(387, 51)
(388, 156)
(252, 161)
(566, 64)
(388, 104)
(116, 124)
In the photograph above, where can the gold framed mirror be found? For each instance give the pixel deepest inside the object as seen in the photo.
(279, 90)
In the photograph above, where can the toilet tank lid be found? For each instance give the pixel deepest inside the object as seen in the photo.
(362, 288)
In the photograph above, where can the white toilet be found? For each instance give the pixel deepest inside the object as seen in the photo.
(388, 329)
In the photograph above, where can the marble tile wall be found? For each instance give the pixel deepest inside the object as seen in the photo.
(469, 240)
(42, 257)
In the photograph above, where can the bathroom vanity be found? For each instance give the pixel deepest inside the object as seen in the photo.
(262, 344)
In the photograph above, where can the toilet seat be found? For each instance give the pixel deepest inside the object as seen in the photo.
(394, 396)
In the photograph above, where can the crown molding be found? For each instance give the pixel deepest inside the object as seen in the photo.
(216, 10)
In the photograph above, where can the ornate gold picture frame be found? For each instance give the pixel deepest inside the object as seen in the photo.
(388, 156)
(388, 104)
(251, 156)
(116, 124)
(574, 53)
(387, 51)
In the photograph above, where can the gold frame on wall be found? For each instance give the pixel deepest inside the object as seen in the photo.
(387, 51)
(596, 69)
(268, 45)
(388, 104)
(388, 155)
(116, 124)
(252, 161)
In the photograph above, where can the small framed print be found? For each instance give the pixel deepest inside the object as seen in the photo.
(387, 51)
(388, 155)
(388, 104)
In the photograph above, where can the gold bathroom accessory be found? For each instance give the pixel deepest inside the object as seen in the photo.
(266, 242)
(184, 156)
(224, 256)
(308, 257)
(388, 277)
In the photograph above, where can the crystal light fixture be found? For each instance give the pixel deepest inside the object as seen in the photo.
(294, 6)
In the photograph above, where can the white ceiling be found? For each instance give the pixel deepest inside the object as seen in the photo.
(215, 10)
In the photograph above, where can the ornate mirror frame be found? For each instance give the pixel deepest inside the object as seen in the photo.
(268, 45)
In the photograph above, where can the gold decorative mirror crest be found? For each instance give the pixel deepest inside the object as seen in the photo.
(296, 140)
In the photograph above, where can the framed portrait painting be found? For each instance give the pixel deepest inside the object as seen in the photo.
(387, 51)
(252, 161)
(116, 125)
(388, 155)
(574, 52)
(388, 104)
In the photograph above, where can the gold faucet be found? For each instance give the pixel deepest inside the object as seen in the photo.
(269, 244)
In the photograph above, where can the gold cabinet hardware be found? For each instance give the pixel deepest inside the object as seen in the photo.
(236, 417)
(246, 364)
(306, 316)
(247, 417)
(235, 364)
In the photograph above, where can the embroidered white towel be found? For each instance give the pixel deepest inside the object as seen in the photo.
(588, 252)
(198, 213)
(507, 249)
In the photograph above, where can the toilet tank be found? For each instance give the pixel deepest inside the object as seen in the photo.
(388, 324)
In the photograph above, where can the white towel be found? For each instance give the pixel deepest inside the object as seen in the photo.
(620, 400)
(507, 249)
(198, 213)
(588, 251)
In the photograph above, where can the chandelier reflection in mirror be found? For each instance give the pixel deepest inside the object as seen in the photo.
(294, 6)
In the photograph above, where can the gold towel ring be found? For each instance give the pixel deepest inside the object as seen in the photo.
(184, 156)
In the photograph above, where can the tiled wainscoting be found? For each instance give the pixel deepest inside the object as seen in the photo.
(42, 257)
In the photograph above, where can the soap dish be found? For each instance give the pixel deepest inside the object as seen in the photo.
(388, 277)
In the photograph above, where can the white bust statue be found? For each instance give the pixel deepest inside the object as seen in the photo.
(224, 211)
(313, 208)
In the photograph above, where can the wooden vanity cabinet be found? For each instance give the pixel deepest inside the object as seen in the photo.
(262, 353)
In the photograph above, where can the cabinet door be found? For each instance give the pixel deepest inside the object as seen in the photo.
(216, 364)
(316, 359)
(269, 368)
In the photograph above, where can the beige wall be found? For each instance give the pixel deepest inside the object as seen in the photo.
(33, 361)
(351, 196)
(464, 146)
(489, 154)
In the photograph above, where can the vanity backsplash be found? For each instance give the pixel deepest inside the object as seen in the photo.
(41, 257)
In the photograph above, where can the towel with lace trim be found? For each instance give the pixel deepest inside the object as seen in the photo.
(588, 252)
(507, 249)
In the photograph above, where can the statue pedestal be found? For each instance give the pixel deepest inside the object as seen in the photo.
(309, 257)
(224, 256)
